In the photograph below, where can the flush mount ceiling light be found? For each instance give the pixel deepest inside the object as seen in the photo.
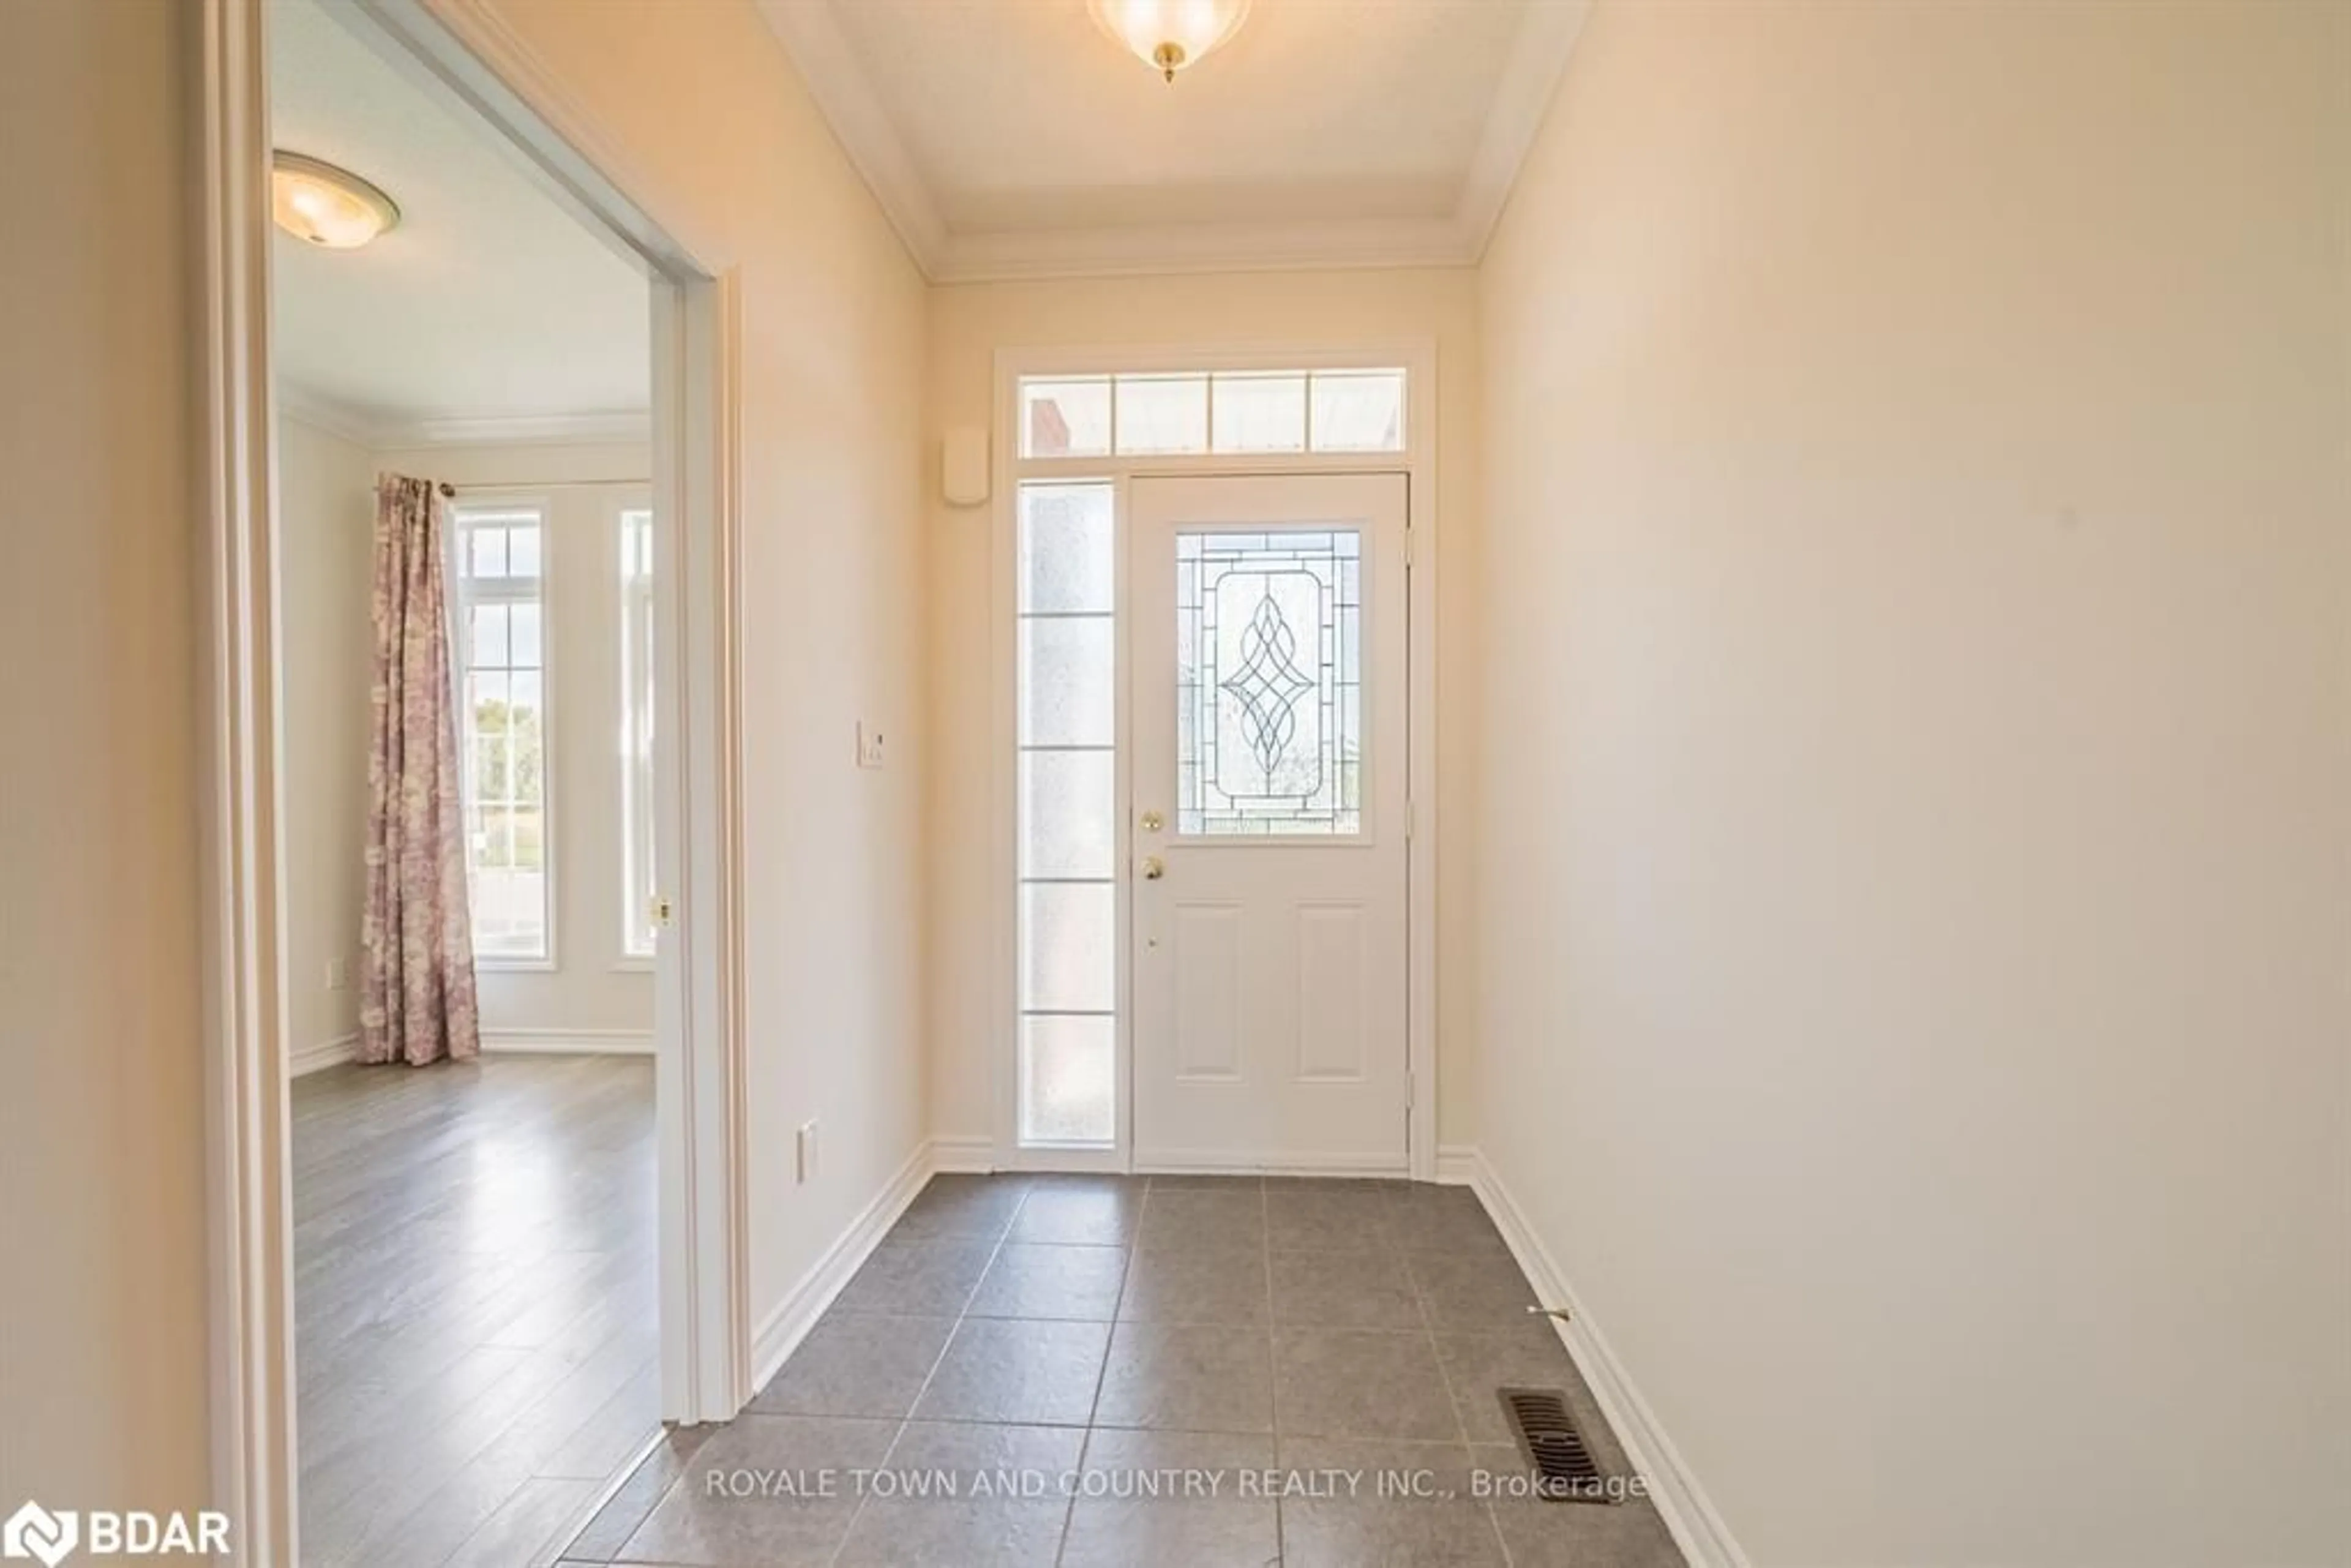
(1168, 34)
(332, 208)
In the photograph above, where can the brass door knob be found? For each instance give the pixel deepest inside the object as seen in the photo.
(1153, 868)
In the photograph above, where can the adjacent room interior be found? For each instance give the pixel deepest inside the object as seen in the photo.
(465, 526)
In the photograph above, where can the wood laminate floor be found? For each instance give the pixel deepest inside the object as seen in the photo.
(475, 1299)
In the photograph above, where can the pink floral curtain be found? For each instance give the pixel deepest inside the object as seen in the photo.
(416, 1003)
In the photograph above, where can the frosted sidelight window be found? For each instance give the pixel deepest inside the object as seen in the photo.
(1269, 667)
(1068, 828)
(1067, 1076)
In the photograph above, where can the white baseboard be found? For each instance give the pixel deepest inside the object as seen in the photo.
(1457, 1165)
(780, 1333)
(963, 1154)
(1697, 1529)
(568, 1041)
(1245, 1162)
(325, 1054)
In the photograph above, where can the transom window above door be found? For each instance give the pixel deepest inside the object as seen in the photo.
(1225, 412)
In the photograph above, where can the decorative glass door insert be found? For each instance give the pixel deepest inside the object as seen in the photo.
(1268, 651)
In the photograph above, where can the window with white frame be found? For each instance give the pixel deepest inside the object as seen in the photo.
(1067, 833)
(639, 931)
(502, 652)
(1227, 412)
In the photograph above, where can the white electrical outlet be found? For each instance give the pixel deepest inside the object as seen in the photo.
(804, 1149)
(338, 974)
(868, 746)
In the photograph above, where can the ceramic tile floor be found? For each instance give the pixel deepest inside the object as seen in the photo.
(1132, 1371)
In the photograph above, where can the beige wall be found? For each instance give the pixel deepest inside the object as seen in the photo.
(702, 100)
(1917, 776)
(326, 530)
(969, 324)
(102, 1347)
(594, 997)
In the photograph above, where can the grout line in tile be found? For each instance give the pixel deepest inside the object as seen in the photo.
(1272, 1366)
(1085, 1449)
(907, 1419)
(1428, 1319)
(1180, 1431)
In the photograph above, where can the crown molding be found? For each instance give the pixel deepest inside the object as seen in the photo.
(518, 430)
(1201, 247)
(305, 407)
(1547, 37)
(811, 34)
(338, 419)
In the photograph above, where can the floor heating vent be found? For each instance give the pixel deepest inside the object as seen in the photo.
(1564, 1468)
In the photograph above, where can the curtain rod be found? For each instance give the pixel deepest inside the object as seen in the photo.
(449, 491)
(546, 485)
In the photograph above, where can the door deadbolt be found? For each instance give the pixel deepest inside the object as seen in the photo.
(1152, 821)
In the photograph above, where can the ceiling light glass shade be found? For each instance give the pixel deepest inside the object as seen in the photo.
(1168, 34)
(329, 207)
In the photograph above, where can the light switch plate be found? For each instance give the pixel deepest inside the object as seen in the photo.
(804, 1153)
(868, 746)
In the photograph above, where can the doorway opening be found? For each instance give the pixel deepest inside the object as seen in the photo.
(1211, 835)
(468, 702)
(627, 1127)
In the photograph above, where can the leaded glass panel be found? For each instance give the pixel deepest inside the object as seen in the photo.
(1268, 632)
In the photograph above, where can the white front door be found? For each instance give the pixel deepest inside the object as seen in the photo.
(1269, 782)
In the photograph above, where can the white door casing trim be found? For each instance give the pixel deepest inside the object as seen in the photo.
(466, 49)
(1418, 463)
(249, 1222)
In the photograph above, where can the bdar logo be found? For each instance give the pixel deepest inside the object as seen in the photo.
(34, 1531)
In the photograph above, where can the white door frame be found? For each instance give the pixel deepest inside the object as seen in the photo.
(463, 49)
(1418, 464)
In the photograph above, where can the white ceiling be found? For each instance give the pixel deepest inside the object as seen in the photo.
(489, 311)
(1014, 138)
